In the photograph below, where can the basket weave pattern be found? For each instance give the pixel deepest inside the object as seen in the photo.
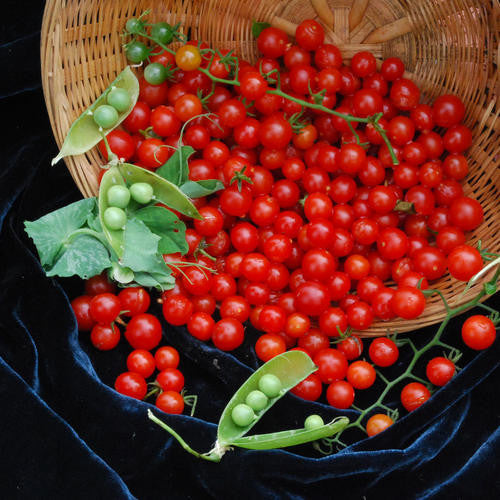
(446, 45)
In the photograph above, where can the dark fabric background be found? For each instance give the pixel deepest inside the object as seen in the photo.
(65, 433)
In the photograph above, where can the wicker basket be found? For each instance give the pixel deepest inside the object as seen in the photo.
(446, 45)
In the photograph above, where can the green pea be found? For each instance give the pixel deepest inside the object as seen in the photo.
(118, 196)
(242, 415)
(136, 51)
(121, 274)
(155, 73)
(257, 400)
(119, 99)
(114, 218)
(313, 422)
(106, 116)
(141, 192)
(270, 385)
(162, 32)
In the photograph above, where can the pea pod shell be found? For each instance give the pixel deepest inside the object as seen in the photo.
(84, 133)
(164, 191)
(291, 437)
(290, 367)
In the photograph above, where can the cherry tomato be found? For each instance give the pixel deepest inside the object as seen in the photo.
(383, 351)
(131, 384)
(104, 308)
(105, 337)
(134, 300)
(408, 302)
(170, 402)
(378, 423)
(352, 347)
(166, 357)
(142, 362)
(228, 334)
(272, 42)
(466, 213)
(332, 365)
(170, 379)
(440, 370)
(464, 262)
(269, 345)
(361, 374)
(177, 309)
(448, 110)
(81, 308)
(188, 57)
(414, 395)
(478, 332)
(340, 394)
(309, 389)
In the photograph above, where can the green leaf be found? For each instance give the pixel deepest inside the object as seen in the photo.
(84, 256)
(258, 28)
(50, 231)
(490, 288)
(197, 189)
(140, 252)
(167, 226)
(160, 282)
(176, 170)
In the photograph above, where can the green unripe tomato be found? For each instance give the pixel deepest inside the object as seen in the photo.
(313, 422)
(119, 99)
(257, 400)
(133, 25)
(105, 116)
(270, 385)
(114, 218)
(136, 51)
(155, 73)
(118, 196)
(162, 32)
(242, 415)
(141, 192)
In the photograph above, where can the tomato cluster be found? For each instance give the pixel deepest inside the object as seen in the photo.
(99, 310)
(311, 224)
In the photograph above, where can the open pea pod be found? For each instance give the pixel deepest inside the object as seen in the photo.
(291, 437)
(164, 191)
(84, 133)
(290, 367)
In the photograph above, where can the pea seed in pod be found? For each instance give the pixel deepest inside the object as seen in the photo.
(119, 98)
(141, 192)
(270, 385)
(118, 196)
(242, 415)
(155, 73)
(257, 400)
(106, 116)
(313, 422)
(114, 218)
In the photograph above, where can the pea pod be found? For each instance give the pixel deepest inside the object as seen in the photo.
(292, 437)
(84, 133)
(164, 191)
(290, 367)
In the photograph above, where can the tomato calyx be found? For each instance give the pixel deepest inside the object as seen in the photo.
(239, 177)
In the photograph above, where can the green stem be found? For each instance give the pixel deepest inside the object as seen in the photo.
(211, 457)
(418, 353)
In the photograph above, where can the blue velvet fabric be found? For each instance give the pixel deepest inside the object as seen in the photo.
(65, 433)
